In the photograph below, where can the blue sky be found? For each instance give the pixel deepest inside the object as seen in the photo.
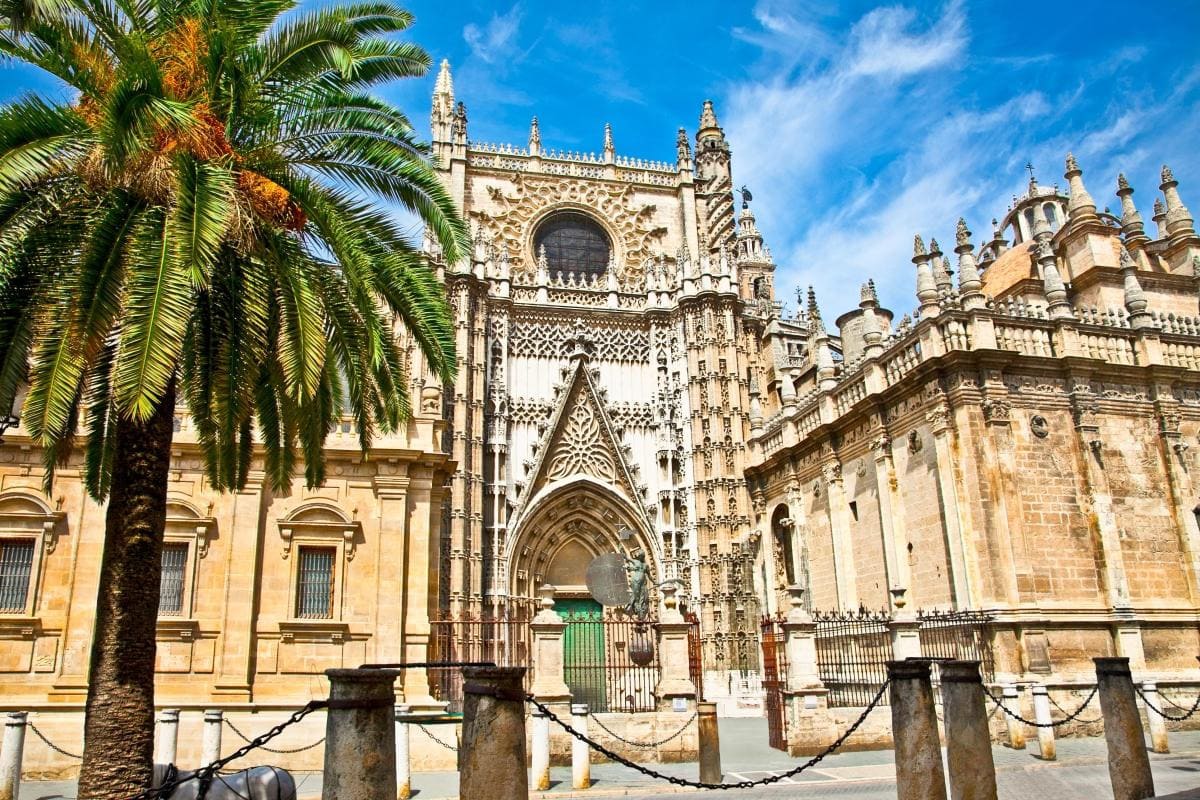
(856, 125)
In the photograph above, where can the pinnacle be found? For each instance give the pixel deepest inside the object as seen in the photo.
(1072, 164)
(962, 235)
(1122, 184)
(444, 83)
(918, 246)
(1167, 175)
(708, 117)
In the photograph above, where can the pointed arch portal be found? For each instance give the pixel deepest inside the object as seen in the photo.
(565, 527)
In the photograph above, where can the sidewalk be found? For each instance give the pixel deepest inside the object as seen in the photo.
(1080, 772)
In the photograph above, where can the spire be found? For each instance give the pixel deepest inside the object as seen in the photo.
(1081, 206)
(969, 283)
(1179, 219)
(999, 243)
(941, 270)
(442, 114)
(927, 292)
(1131, 220)
(708, 121)
(683, 150)
(871, 332)
(1135, 298)
(1058, 306)
(816, 325)
(535, 138)
(610, 152)
(1160, 218)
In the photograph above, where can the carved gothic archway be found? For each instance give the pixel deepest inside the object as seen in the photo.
(567, 525)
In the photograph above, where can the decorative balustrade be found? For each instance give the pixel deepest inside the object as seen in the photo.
(1027, 340)
(1109, 347)
(850, 395)
(955, 335)
(1172, 323)
(1182, 354)
(902, 362)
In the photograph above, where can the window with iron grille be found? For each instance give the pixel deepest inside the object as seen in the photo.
(170, 587)
(573, 242)
(314, 595)
(16, 561)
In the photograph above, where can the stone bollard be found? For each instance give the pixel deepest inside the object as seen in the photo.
(919, 774)
(968, 741)
(168, 736)
(710, 742)
(540, 761)
(1016, 731)
(581, 755)
(210, 744)
(403, 761)
(11, 752)
(360, 740)
(1157, 722)
(492, 754)
(1128, 764)
(1041, 715)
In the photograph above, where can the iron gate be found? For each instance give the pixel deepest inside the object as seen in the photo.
(775, 680)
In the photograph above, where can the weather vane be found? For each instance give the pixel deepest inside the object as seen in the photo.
(1029, 166)
(746, 196)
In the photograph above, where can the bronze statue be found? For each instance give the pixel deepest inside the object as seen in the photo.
(639, 587)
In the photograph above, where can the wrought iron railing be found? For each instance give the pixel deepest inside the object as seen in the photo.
(774, 682)
(963, 635)
(853, 648)
(611, 661)
(506, 642)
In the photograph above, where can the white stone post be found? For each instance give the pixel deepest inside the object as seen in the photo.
(547, 629)
(675, 680)
(1016, 731)
(11, 752)
(1157, 722)
(1041, 715)
(210, 747)
(168, 735)
(905, 628)
(581, 769)
(800, 632)
(540, 759)
(403, 761)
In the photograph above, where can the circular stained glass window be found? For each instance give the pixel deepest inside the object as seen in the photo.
(573, 242)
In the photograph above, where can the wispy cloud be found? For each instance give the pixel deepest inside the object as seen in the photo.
(496, 40)
(887, 134)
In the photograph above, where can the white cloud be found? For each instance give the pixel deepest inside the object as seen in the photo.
(882, 43)
(496, 41)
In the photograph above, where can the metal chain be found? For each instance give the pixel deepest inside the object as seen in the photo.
(205, 775)
(646, 745)
(700, 784)
(49, 743)
(451, 747)
(1162, 713)
(1053, 724)
(1062, 710)
(280, 751)
(1172, 703)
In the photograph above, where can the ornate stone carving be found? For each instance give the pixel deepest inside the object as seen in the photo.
(1038, 426)
(517, 208)
(996, 412)
(552, 340)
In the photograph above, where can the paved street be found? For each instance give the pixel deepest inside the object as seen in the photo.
(1080, 773)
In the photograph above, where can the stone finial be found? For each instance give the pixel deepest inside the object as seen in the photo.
(969, 282)
(609, 150)
(918, 247)
(1136, 303)
(1081, 205)
(683, 150)
(816, 325)
(962, 234)
(1160, 218)
(1179, 220)
(444, 85)
(535, 138)
(998, 244)
(867, 294)
(1057, 304)
(941, 269)
(1131, 221)
(708, 118)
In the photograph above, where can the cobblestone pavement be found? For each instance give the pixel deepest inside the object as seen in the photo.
(1080, 773)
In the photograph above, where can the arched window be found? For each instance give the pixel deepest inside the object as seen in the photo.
(1051, 215)
(573, 242)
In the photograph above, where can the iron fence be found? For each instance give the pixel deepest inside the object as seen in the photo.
(963, 635)
(611, 661)
(695, 654)
(774, 682)
(853, 648)
(506, 642)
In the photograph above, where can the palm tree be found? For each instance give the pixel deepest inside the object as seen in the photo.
(203, 220)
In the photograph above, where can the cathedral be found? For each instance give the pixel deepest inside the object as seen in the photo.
(1019, 444)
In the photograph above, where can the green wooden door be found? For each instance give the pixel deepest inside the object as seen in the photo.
(583, 651)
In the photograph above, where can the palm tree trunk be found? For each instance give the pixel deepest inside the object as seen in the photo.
(119, 728)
